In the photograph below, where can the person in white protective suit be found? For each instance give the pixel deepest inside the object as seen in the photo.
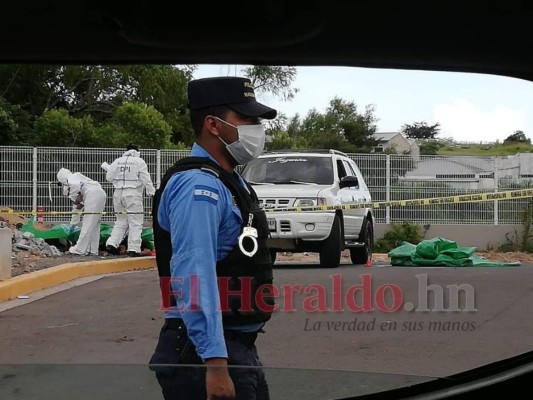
(88, 194)
(130, 177)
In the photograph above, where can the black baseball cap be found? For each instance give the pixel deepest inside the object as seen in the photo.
(235, 92)
(132, 146)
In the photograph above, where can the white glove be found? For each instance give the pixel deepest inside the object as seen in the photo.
(105, 166)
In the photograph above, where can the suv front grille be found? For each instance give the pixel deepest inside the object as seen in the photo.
(285, 226)
(274, 203)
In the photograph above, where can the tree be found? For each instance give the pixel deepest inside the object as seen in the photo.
(276, 80)
(28, 86)
(359, 129)
(420, 130)
(281, 140)
(429, 147)
(341, 127)
(93, 89)
(8, 126)
(140, 124)
(57, 128)
(517, 137)
(88, 97)
(16, 127)
(98, 91)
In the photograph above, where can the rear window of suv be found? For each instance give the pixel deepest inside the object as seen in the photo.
(287, 170)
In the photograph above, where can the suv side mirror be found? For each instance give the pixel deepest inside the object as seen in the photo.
(349, 181)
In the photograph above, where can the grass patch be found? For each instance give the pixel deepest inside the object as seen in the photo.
(497, 149)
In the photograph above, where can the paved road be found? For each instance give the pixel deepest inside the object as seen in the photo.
(96, 338)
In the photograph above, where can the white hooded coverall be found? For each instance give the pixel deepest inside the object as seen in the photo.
(94, 198)
(130, 177)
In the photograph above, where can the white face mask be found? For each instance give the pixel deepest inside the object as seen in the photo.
(250, 143)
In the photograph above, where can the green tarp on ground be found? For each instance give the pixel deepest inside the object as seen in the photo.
(60, 231)
(147, 236)
(72, 233)
(440, 252)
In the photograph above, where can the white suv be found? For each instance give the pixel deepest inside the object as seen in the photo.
(322, 178)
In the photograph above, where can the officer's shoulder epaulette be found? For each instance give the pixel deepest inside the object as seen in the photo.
(210, 170)
(201, 163)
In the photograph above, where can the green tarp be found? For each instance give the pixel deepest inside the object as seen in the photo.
(440, 252)
(72, 233)
(60, 231)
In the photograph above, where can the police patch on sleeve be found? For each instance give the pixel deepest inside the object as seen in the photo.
(206, 193)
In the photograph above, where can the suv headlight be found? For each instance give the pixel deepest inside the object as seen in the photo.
(304, 202)
(310, 202)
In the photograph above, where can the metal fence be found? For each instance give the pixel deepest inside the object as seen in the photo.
(400, 177)
(25, 173)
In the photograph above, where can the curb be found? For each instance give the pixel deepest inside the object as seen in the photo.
(45, 278)
(381, 255)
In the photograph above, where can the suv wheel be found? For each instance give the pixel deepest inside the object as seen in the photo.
(330, 253)
(360, 255)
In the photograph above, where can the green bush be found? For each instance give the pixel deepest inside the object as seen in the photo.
(517, 241)
(399, 233)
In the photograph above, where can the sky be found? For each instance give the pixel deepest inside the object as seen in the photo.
(468, 107)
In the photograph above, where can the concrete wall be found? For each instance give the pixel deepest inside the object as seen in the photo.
(483, 237)
(5, 252)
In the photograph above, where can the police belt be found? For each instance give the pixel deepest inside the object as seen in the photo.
(246, 338)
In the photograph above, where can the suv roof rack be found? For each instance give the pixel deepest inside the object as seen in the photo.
(324, 151)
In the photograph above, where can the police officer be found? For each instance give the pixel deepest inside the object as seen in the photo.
(210, 240)
(130, 177)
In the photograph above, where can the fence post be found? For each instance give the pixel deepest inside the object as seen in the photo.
(387, 187)
(496, 183)
(34, 181)
(158, 169)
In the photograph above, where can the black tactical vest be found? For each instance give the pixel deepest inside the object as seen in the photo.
(245, 283)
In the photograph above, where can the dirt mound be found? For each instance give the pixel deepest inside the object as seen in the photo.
(11, 219)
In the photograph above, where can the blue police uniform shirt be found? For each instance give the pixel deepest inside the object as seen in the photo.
(204, 224)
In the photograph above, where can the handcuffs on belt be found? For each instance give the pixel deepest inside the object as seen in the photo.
(248, 232)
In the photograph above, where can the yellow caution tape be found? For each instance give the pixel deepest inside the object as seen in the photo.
(24, 212)
(466, 198)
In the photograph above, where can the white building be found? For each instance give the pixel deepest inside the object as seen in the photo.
(397, 142)
(475, 173)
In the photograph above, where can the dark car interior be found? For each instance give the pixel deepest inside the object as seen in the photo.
(489, 37)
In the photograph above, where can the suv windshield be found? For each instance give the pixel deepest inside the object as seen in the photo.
(287, 169)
